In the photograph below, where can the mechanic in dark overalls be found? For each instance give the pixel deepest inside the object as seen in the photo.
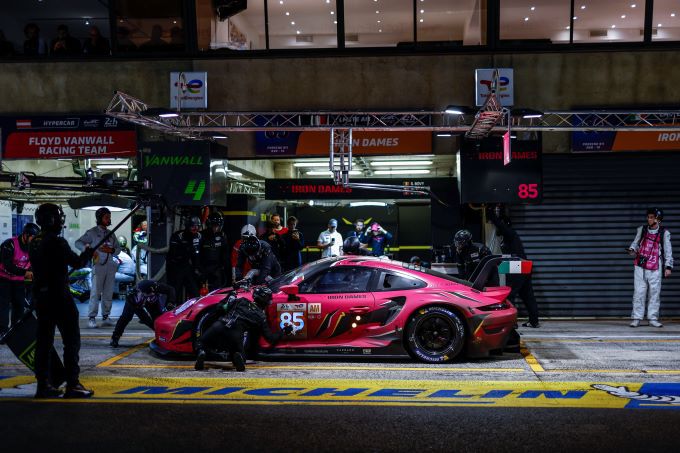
(182, 262)
(148, 301)
(240, 316)
(50, 257)
(512, 244)
(261, 258)
(468, 256)
(214, 253)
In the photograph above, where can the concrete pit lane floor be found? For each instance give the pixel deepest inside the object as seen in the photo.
(576, 385)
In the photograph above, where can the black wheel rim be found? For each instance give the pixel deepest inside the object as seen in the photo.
(435, 334)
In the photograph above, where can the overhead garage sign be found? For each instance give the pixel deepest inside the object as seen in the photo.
(73, 136)
(625, 141)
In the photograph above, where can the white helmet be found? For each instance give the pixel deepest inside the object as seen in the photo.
(248, 230)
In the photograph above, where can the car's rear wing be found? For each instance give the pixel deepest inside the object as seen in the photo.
(503, 264)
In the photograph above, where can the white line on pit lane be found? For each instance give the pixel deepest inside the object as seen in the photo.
(603, 337)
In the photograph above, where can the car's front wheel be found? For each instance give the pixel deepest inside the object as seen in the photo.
(435, 335)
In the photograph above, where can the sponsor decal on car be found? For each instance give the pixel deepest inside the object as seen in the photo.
(314, 309)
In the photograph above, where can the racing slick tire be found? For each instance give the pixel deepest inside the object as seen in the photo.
(435, 335)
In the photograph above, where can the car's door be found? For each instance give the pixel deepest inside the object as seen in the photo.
(392, 290)
(328, 305)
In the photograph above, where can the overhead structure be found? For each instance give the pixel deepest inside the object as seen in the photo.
(491, 118)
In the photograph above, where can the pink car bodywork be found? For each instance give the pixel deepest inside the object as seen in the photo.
(364, 306)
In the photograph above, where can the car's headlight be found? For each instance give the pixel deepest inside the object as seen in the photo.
(178, 311)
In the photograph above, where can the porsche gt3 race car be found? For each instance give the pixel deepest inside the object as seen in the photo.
(362, 306)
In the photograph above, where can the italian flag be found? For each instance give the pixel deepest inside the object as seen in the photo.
(515, 267)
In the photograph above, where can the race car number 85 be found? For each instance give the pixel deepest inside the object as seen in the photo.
(296, 319)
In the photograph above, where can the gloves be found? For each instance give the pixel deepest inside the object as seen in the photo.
(287, 330)
(87, 254)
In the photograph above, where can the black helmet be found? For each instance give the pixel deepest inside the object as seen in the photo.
(31, 229)
(191, 222)
(262, 296)
(415, 259)
(250, 245)
(215, 219)
(351, 245)
(50, 217)
(99, 215)
(658, 213)
(146, 291)
(462, 239)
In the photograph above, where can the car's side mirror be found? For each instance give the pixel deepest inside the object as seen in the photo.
(291, 290)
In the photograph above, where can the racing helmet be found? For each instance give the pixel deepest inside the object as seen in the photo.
(250, 245)
(462, 240)
(192, 222)
(31, 229)
(99, 215)
(50, 217)
(122, 240)
(248, 230)
(146, 291)
(262, 296)
(215, 219)
(351, 245)
(658, 213)
(415, 259)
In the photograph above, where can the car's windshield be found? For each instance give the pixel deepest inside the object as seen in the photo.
(299, 274)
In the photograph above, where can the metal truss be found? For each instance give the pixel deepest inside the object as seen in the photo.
(204, 125)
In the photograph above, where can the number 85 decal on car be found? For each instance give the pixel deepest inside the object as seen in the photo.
(295, 315)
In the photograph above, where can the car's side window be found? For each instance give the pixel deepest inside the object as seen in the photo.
(392, 282)
(338, 280)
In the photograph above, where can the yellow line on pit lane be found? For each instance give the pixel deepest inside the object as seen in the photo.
(327, 368)
(124, 354)
(530, 359)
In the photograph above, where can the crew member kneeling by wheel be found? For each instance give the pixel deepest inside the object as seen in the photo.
(148, 301)
(240, 316)
(50, 256)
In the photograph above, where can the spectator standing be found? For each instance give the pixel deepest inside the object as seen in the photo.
(64, 44)
(104, 268)
(274, 234)
(653, 259)
(96, 44)
(293, 243)
(247, 230)
(34, 45)
(330, 241)
(182, 261)
(377, 239)
(141, 233)
(50, 257)
(15, 273)
(511, 244)
(358, 231)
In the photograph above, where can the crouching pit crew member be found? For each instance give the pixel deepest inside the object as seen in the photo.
(653, 259)
(148, 301)
(50, 256)
(260, 256)
(240, 316)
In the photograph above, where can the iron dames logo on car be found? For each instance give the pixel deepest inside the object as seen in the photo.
(294, 307)
(314, 309)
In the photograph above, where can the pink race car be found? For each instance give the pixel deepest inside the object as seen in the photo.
(363, 306)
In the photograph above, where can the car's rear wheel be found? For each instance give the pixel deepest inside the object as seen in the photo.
(203, 322)
(435, 335)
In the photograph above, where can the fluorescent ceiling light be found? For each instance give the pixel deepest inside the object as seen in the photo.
(310, 164)
(444, 134)
(112, 166)
(329, 173)
(235, 173)
(402, 172)
(221, 170)
(220, 137)
(399, 163)
(169, 115)
(110, 208)
(216, 163)
(358, 204)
